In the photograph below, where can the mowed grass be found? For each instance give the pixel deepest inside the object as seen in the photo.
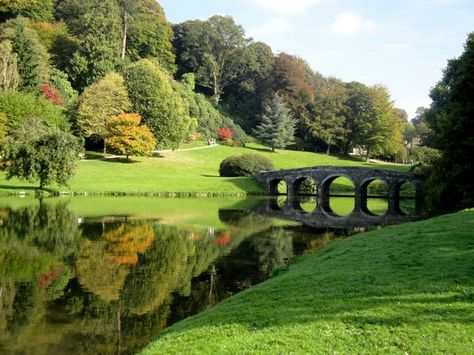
(407, 289)
(187, 171)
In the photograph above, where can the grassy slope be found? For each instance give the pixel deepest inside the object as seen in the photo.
(402, 289)
(188, 171)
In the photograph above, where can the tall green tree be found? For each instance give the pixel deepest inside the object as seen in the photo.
(33, 58)
(99, 102)
(451, 118)
(277, 125)
(327, 118)
(212, 50)
(423, 130)
(97, 24)
(372, 123)
(146, 33)
(150, 89)
(244, 99)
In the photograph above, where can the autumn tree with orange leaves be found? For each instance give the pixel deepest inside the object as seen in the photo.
(127, 137)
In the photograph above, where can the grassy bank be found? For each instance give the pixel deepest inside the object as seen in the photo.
(178, 172)
(402, 289)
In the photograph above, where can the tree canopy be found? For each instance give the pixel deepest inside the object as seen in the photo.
(127, 137)
(451, 119)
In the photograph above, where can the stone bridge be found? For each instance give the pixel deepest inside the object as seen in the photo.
(324, 176)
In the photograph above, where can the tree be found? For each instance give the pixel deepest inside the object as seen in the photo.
(422, 128)
(206, 116)
(9, 77)
(41, 10)
(127, 137)
(451, 118)
(326, 122)
(372, 123)
(50, 159)
(33, 58)
(212, 50)
(98, 27)
(277, 126)
(244, 98)
(151, 91)
(148, 33)
(106, 98)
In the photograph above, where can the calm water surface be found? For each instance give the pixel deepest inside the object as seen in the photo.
(105, 275)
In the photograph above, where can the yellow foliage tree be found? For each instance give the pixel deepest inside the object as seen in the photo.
(127, 137)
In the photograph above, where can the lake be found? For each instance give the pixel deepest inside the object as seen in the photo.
(89, 275)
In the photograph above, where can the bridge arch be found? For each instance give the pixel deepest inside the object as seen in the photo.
(276, 185)
(374, 187)
(305, 185)
(327, 182)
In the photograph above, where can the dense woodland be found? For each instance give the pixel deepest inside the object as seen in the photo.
(99, 70)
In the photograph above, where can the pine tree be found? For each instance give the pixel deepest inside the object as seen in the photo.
(277, 125)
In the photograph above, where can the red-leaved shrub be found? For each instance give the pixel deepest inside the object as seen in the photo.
(52, 95)
(224, 133)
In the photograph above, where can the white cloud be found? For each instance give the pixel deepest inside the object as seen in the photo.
(348, 23)
(286, 7)
(273, 26)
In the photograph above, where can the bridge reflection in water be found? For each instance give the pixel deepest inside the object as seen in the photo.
(323, 217)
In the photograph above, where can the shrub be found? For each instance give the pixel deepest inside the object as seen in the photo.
(52, 95)
(224, 133)
(245, 165)
(425, 155)
(19, 106)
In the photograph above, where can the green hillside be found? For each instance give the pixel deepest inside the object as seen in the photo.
(406, 289)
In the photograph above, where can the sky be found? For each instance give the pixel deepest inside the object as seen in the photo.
(401, 44)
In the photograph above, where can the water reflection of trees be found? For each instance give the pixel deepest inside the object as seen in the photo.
(107, 286)
(100, 287)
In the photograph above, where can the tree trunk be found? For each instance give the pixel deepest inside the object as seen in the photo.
(328, 150)
(124, 35)
(367, 155)
(273, 149)
(217, 93)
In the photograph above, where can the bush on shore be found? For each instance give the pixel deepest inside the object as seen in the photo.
(245, 165)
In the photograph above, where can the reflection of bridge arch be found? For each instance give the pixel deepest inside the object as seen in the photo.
(323, 176)
(320, 218)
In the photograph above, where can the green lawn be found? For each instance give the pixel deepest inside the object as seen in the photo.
(188, 171)
(406, 289)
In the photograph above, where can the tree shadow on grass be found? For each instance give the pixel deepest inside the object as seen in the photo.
(120, 160)
(267, 150)
(14, 187)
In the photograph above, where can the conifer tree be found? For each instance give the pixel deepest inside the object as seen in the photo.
(277, 125)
